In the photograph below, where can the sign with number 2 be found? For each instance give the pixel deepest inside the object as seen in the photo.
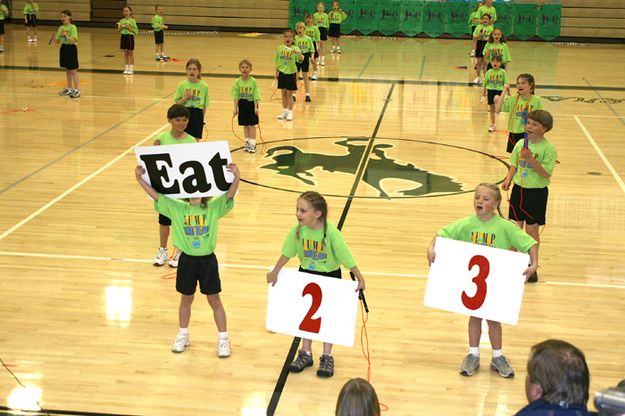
(476, 280)
(314, 307)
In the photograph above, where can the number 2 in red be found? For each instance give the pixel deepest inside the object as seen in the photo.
(477, 300)
(309, 324)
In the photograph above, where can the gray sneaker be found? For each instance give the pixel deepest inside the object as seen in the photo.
(470, 364)
(302, 361)
(502, 366)
(66, 92)
(326, 366)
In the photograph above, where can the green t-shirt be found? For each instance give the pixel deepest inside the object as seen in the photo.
(484, 9)
(285, 59)
(199, 94)
(167, 138)
(483, 31)
(245, 90)
(131, 24)
(316, 253)
(312, 32)
(518, 107)
(31, 9)
(495, 79)
(304, 43)
(4, 11)
(158, 22)
(498, 232)
(474, 19)
(500, 49)
(70, 31)
(337, 16)
(321, 19)
(526, 176)
(194, 228)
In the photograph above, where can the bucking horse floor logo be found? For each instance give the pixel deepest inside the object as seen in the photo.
(299, 164)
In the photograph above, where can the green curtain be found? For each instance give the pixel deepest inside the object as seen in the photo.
(524, 20)
(411, 18)
(298, 10)
(549, 19)
(388, 16)
(458, 18)
(504, 18)
(434, 18)
(358, 16)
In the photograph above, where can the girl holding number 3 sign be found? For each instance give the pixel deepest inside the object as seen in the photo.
(321, 250)
(489, 229)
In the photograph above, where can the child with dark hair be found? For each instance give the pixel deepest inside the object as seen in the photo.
(67, 36)
(357, 398)
(495, 83)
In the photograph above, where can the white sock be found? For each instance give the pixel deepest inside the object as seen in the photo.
(183, 331)
(307, 94)
(497, 353)
(285, 110)
(224, 335)
(474, 351)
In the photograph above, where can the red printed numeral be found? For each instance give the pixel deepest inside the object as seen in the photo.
(477, 300)
(309, 324)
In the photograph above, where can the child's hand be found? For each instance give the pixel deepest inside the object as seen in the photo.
(272, 277)
(187, 95)
(235, 112)
(506, 185)
(361, 285)
(531, 269)
(231, 167)
(156, 142)
(431, 255)
(139, 171)
(165, 27)
(526, 154)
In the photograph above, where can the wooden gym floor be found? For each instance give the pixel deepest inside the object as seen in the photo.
(87, 321)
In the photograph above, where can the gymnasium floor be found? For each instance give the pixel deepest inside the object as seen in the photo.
(87, 321)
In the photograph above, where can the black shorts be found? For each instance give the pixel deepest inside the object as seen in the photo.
(335, 30)
(163, 220)
(31, 20)
(192, 269)
(127, 42)
(472, 30)
(159, 36)
(196, 123)
(287, 81)
(335, 273)
(247, 115)
(2, 27)
(479, 48)
(316, 50)
(491, 95)
(304, 66)
(323, 33)
(68, 56)
(528, 204)
(512, 139)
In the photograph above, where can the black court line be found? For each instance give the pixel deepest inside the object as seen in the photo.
(277, 392)
(620, 117)
(80, 146)
(43, 412)
(365, 67)
(328, 79)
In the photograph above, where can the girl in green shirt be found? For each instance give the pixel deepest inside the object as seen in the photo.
(31, 10)
(4, 12)
(323, 23)
(321, 250)
(336, 16)
(128, 29)
(67, 37)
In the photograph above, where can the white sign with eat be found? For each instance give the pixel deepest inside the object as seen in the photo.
(476, 280)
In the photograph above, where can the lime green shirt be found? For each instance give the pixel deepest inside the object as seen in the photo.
(245, 90)
(321, 19)
(484, 9)
(304, 43)
(474, 18)
(131, 28)
(167, 138)
(526, 176)
(315, 252)
(495, 79)
(483, 31)
(199, 94)
(285, 59)
(518, 107)
(158, 22)
(312, 32)
(500, 49)
(337, 16)
(4, 11)
(71, 34)
(498, 232)
(31, 9)
(194, 228)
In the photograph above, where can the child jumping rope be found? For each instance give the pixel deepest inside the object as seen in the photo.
(336, 16)
(128, 29)
(31, 10)
(195, 233)
(323, 23)
(67, 36)
(158, 24)
(246, 95)
(482, 229)
(329, 252)
(193, 94)
(495, 83)
(286, 57)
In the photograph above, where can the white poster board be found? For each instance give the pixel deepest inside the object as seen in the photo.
(314, 307)
(187, 170)
(476, 280)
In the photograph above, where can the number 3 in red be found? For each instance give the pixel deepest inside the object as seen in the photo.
(309, 324)
(477, 300)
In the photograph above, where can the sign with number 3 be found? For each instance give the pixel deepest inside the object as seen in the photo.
(476, 280)
(314, 307)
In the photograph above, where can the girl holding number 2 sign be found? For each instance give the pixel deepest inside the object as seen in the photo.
(321, 250)
(489, 229)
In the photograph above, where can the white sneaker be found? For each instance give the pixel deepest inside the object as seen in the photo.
(472, 54)
(131, 71)
(250, 145)
(491, 128)
(283, 115)
(180, 343)
(29, 40)
(161, 257)
(223, 348)
(289, 116)
(173, 262)
(314, 76)
(66, 91)
(35, 39)
(477, 80)
(322, 61)
(126, 71)
(74, 94)
(338, 50)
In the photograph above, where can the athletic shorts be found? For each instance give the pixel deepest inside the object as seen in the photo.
(528, 204)
(159, 37)
(192, 269)
(196, 123)
(287, 81)
(127, 42)
(512, 139)
(479, 48)
(304, 66)
(491, 95)
(335, 30)
(68, 56)
(335, 273)
(323, 33)
(163, 220)
(31, 20)
(247, 116)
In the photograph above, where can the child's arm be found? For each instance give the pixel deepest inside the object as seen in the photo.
(156, 142)
(534, 262)
(272, 276)
(235, 184)
(531, 160)
(431, 252)
(236, 107)
(506, 182)
(147, 188)
(256, 106)
(358, 275)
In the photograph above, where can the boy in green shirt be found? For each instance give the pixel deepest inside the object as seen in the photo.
(531, 166)
(31, 10)
(158, 24)
(246, 95)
